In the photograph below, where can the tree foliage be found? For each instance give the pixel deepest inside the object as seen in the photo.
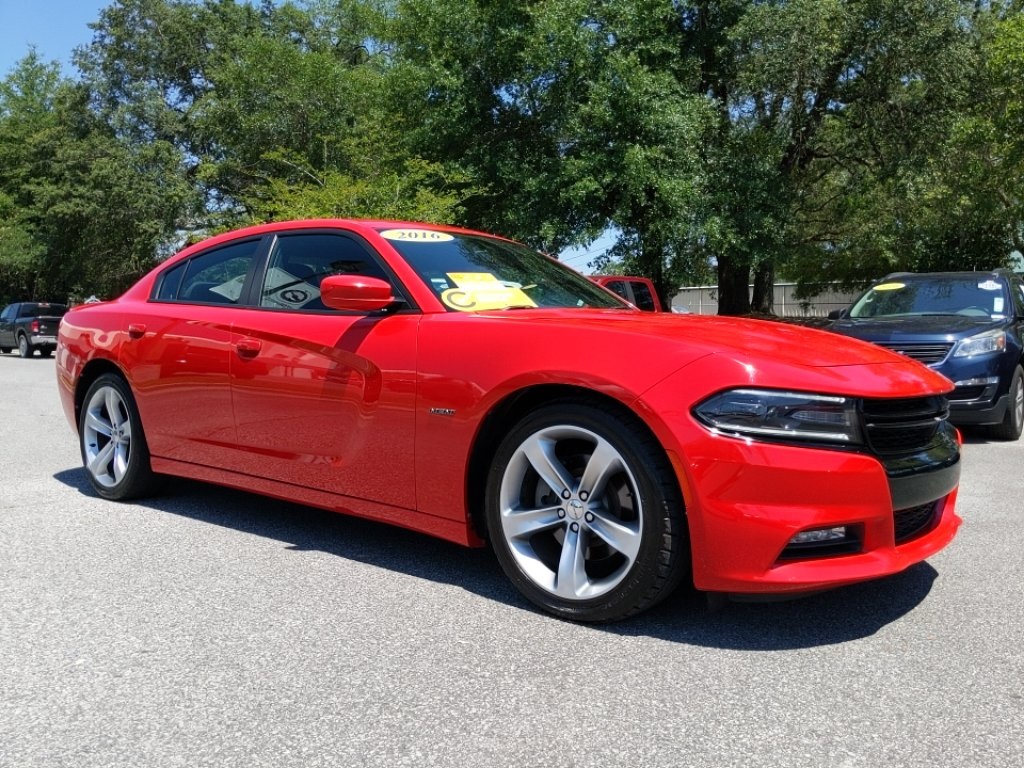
(811, 139)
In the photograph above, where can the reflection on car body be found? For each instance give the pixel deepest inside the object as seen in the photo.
(470, 388)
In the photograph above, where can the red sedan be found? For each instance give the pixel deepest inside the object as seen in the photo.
(470, 388)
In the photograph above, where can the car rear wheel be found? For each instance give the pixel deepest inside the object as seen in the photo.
(24, 348)
(584, 513)
(1013, 421)
(114, 449)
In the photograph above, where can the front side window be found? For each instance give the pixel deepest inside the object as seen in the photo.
(473, 273)
(213, 277)
(642, 297)
(299, 262)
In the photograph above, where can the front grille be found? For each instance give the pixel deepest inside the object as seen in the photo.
(929, 354)
(904, 425)
(912, 522)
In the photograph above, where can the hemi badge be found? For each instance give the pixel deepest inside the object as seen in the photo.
(442, 411)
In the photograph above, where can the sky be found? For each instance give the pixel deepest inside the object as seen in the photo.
(54, 27)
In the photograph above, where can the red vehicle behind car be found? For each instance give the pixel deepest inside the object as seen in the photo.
(470, 388)
(638, 291)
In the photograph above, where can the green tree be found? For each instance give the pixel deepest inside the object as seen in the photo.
(83, 210)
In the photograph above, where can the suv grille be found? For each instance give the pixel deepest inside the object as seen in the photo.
(908, 523)
(928, 354)
(904, 425)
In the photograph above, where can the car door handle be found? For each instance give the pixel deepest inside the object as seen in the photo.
(248, 348)
(136, 330)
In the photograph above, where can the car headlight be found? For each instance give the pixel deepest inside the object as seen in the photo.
(982, 344)
(769, 414)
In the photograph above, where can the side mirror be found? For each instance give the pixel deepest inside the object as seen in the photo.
(355, 293)
(837, 314)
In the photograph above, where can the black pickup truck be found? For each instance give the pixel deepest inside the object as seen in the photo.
(29, 326)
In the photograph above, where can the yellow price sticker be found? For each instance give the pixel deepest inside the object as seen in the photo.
(889, 286)
(478, 291)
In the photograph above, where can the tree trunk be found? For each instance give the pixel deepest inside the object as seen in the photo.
(764, 288)
(733, 286)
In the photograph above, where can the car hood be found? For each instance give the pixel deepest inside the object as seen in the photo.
(918, 328)
(694, 336)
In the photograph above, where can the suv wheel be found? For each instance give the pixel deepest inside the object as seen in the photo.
(1013, 421)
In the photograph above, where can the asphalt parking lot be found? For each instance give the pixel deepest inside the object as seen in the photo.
(208, 627)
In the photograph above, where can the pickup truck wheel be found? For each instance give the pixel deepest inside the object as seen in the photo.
(45, 352)
(114, 449)
(584, 513)
(24, 348)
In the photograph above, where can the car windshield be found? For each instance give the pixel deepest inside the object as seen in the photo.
(471, 273)
(967, 295)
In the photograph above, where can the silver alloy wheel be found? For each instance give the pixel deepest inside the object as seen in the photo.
(570, 512)
(107, 436)
(23, 348)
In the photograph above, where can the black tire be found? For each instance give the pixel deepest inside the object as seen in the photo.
(1013, 422)
(625, 534)
(114, 450)
(4, 350)
(24, 348)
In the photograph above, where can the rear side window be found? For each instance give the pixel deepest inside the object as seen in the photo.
(212, 277)
(619, 287)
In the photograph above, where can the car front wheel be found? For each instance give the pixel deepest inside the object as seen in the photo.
(584, 513)
(114, 449)
(1013, 422)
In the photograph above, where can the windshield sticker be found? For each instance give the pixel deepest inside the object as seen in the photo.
(997, 305)
(890, 286)
(478, 291)
(286, 291)
(230, 290)
(989, 285)
(416, 235)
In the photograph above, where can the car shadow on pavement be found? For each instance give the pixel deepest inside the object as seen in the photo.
(827, 618)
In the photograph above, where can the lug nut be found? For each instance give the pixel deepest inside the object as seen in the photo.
(583, 495)
(575, 527)
(566, 494)
(561, 513)
(590, 517)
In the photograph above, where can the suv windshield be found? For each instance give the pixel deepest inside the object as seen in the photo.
(470, 273)
(967, 295)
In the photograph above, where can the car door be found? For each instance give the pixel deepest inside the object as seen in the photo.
(323, 398)
(179, 350)
(7, 316)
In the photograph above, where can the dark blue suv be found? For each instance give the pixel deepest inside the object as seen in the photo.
(965, 325)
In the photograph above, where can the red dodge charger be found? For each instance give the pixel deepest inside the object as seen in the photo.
(470, 388)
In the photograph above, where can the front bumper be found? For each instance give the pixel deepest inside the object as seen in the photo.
(746, 501)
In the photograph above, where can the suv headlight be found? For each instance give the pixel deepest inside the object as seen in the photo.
(982, 344)
(769, 414)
